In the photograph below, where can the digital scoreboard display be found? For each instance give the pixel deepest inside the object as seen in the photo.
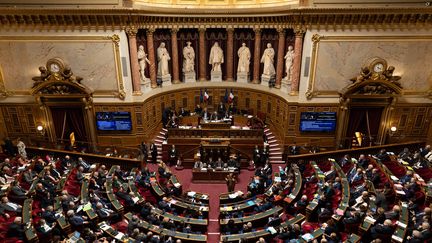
(113, 121)
(318, 122)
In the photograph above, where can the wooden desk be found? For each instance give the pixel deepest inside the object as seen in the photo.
(252, 236)
(196, 224)
(240, 207)
(114, 233)
(84, 199)
(210, 176)
(401, 229)
(298, 183)
(132, 187)
(26, 219)
(320, 176)
(156, 187)
(353, 238)
(175, 234)
(183, 205)
(216, 124)
(256, 219)
(315, 235)
(178, 135)
(343, 205)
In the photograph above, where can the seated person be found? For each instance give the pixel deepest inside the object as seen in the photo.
(383, 156)
(182, 112)
(382, 229)
(44, 228)
(106, 213)
(219, 164)
(363, 161)
(198, 164)
(198, 110)
(205, 115)
(233, 163)
(49, 215)
(76, 220)
(214, 116)
(16, 229)
(5, 205)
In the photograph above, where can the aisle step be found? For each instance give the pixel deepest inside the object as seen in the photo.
(275, 153)
(271, 137)
(161, 137)
(274, 149)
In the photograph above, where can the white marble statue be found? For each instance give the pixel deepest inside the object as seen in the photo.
(216, 57)
(268, 60)
(142, 60)
(22, 149)
(244, 59)
(289, 59)
(163, 58)
(188, 58)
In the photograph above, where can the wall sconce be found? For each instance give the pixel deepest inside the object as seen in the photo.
(40, 129)
(393, 130)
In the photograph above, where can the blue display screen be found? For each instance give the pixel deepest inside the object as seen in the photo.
(318, 122)
(113, 121)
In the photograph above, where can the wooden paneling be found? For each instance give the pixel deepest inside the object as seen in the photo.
(20, 120)
(411, 120)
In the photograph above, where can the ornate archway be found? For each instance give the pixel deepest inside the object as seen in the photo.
(58, 88)
(375, 89)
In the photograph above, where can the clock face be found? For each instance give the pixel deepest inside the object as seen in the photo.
(54, 67)
(378, 68)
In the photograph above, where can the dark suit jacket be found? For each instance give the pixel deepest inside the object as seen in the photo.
(49, 217)
(16, 230)
(18, 191)
(76, 220)
(5, 207)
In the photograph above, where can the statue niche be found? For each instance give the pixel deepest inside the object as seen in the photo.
(57, 78)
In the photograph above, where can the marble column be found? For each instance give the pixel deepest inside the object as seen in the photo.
(257, 55)
(280, 58)
(135, 69)
(202, 55)
(151, 57)
(230, 54)
(174, 57)
(298, 49)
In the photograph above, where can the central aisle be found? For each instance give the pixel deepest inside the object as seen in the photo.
(214, 190)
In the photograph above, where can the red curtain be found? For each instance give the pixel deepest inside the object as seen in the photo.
(58, 116)
(358, 122)
(75, 120)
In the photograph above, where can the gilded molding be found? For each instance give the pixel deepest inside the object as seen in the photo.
(3, 92)
(317, 39)
(285, 16)
(131, 31)
(114, 39)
